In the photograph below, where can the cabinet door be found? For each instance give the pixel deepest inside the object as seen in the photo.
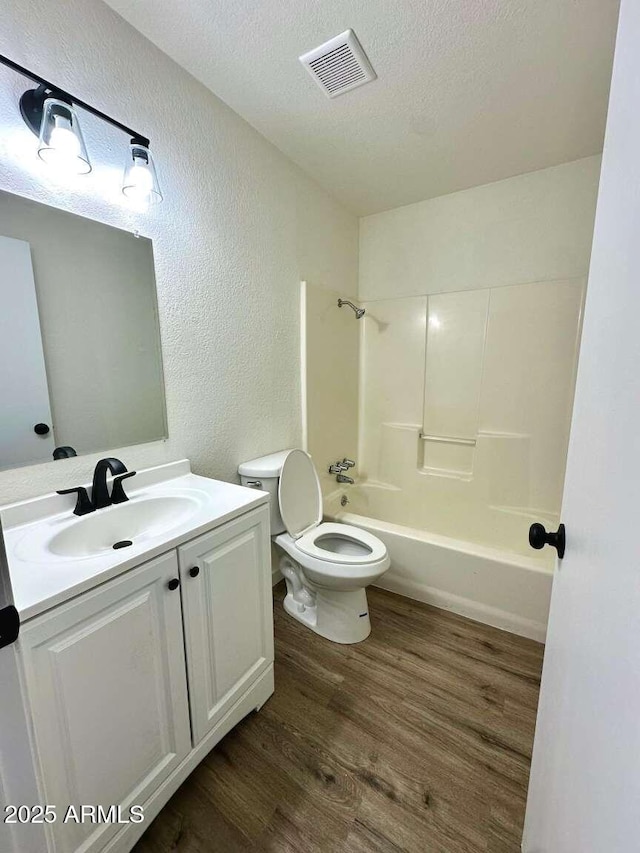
(105, 675)
(228, 615)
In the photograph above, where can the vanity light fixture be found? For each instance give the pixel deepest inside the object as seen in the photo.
(50, 113)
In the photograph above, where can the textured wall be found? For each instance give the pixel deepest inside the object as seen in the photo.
(239, 228)
(534, 227)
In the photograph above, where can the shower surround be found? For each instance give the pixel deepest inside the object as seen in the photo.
(467, 361)
(465, 409)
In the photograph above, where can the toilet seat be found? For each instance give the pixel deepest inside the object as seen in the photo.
(331, 574)
(356, 546)
(327, 548)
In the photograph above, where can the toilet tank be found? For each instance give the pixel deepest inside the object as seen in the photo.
(266, 471)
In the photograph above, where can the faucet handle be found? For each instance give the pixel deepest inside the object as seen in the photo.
(83, 503)
(337, 468)
(117, 492)
(348, 463)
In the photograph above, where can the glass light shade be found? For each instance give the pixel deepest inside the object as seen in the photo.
(60, 143)
(140, 183)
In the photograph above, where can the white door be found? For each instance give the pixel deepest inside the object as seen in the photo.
(584, 794)
(228, 615)
(24, 394)
(106, 682)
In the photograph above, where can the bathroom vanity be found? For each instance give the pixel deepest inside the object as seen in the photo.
(134, 662)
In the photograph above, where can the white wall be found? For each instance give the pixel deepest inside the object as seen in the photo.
(239, 228)
(331, 337)
(534, 227)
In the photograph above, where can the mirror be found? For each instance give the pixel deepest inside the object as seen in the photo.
(80, 356)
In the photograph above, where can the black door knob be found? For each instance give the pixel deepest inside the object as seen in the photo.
(538, 538)
(41, 429)
(174, 583)
(194, 571)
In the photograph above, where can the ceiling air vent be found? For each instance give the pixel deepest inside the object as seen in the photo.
(339, 64)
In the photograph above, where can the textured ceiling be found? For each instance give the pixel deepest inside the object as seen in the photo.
(468, 91)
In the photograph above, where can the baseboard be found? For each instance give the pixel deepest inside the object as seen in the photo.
(484, 613)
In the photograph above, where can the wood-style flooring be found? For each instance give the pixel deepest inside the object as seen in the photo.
(417, 740)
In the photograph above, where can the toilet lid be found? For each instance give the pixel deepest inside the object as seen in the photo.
(299, 494)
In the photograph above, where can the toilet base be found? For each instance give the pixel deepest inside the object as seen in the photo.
(340, 616)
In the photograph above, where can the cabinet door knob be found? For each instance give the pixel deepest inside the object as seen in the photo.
(174, 583)
(194, 571)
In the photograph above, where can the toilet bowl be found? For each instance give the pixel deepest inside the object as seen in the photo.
(326, 565)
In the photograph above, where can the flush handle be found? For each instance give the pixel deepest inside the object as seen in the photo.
(538, 538)
(254, 484)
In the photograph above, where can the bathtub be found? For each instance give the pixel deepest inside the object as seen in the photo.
(498, 587)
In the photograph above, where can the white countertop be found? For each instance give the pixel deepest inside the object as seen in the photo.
(41, 581)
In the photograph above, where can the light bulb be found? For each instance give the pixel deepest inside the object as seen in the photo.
(140, 183)
(61, 143)
(64, 146)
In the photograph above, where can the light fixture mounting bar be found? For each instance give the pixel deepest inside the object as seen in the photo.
(57, 91)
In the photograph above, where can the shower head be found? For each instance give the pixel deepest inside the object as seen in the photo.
(359, 312)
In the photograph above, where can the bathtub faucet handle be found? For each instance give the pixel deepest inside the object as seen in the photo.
(338, 468)
(348, 463)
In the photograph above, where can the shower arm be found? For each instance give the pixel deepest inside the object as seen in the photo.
(359, 312)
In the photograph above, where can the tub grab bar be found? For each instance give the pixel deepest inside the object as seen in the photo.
(448, 439)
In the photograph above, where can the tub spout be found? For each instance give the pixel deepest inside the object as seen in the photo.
(342, 478)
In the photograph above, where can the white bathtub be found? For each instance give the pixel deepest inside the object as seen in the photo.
(503, 589)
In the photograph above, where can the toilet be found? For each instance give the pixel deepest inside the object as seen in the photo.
(326, 565)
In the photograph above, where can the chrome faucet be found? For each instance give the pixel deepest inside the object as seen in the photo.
(100, 497)
(338, 468)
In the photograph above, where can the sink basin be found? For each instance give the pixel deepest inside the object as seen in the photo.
(131, 522)
(54, 555)
(132, 526)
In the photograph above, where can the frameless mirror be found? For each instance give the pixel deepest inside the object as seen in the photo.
(80, 356)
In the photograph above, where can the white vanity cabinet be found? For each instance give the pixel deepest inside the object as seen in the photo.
(105, 679)
(129, 685)
(228, 616)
